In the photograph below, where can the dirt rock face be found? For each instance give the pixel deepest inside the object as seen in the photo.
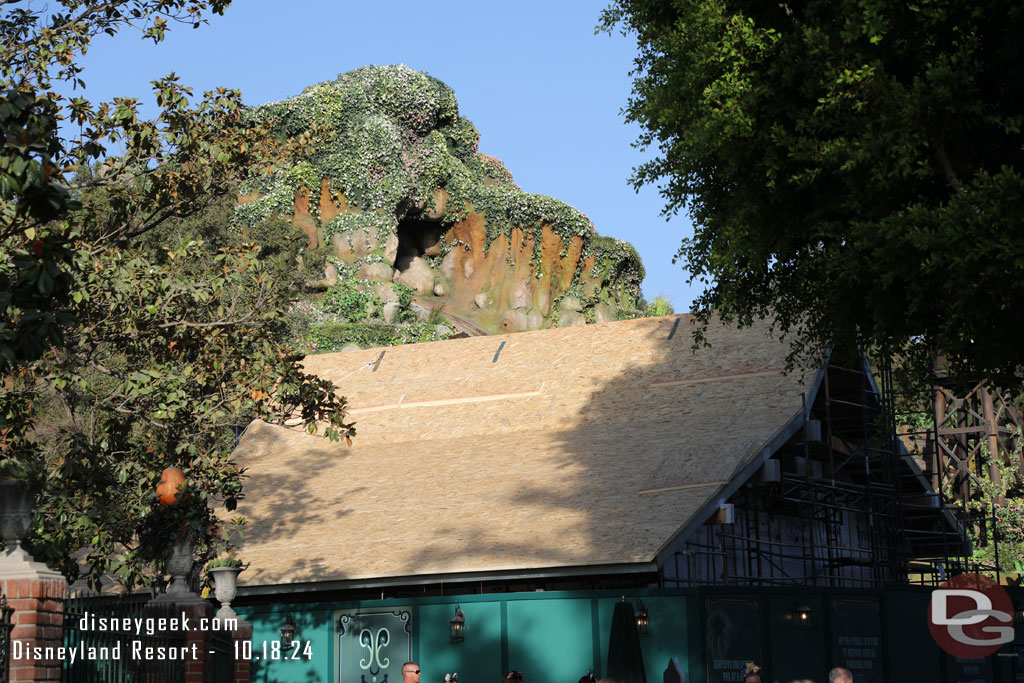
(416, 274)
(504, 272)
(501, 286)
(498, 287)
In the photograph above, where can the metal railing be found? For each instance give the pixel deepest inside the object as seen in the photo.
(220, 661)
(6, 627)
(118, 638)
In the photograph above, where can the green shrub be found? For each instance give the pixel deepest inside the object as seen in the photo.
(225, 561)
(345, 300)
(330, 337)
(661, 305)
(405, 312)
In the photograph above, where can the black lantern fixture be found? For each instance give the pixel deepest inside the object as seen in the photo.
(802, 614)
(458, 626)
(288, 632)
(1018, 611)
(642, 618)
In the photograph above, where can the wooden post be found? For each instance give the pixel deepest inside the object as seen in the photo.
(992, 441)
(940, 418)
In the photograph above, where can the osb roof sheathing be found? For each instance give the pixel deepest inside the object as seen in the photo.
(576, 446)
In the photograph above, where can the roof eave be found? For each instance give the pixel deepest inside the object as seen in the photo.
(619, 569)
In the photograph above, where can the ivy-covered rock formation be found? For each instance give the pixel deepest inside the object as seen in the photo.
(398, 193)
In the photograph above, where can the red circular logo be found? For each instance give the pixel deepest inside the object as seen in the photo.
(970, 616)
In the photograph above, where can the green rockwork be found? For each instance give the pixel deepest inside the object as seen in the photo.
(395, 190)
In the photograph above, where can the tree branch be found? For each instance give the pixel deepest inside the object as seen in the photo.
(947, 167)
(216, 323)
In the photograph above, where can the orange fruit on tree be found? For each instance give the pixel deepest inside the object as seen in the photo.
(167, 490)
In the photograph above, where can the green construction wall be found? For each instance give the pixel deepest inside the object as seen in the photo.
(535, 626)
(314, 625)
(797, 652)
(555, 637)
(667, 632)
(473, 658)
(904, 624)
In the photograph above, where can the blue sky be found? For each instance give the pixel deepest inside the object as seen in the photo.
(544, 91)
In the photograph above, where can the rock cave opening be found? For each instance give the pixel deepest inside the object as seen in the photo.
(417, 238)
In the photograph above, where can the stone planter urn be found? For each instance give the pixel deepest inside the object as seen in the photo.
(225, 584)
(179, 562)
(16, 500)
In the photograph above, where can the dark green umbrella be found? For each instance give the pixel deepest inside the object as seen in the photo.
(625, 659)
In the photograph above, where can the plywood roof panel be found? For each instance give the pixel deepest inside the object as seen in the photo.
(578, 446)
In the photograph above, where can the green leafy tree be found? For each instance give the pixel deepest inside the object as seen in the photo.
(166, 361)
(661, 305)
(127, 343)
(37, 51)
(995, 513)
(853, 169)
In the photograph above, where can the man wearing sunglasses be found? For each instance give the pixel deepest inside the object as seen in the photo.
(410, 672)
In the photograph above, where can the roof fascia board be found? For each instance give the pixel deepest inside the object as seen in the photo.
(457, 577)
(739, 478)
(812, 394)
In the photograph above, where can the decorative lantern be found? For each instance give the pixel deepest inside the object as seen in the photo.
(288, 632)
(642, 618)
(458, 625)
(802, 614)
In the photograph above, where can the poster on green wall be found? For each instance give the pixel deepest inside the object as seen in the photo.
(732, 633)
(373, 644)
(857, 638)
(960, 670)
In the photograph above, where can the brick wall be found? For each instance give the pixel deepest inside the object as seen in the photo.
(38, 595)
(38, 604)
(243, 633)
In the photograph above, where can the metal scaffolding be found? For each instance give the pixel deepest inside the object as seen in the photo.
(847, 505)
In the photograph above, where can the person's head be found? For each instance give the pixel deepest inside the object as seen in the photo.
(840, 675)
(410, 672)
(751, 673)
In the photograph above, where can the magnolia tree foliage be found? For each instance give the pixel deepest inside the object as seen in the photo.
(37, 51)
(853, 169)
(168, 359)
(127, 344)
